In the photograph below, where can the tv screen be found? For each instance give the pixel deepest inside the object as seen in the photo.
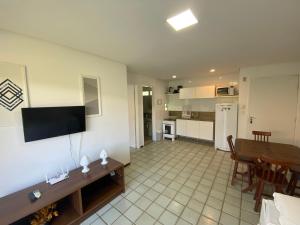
(47, 122)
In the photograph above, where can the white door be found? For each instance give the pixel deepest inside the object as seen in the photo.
(272, 107)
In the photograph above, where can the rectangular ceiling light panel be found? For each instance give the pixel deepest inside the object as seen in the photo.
(182, 20)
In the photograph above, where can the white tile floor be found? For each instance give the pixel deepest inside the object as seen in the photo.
(179, 183)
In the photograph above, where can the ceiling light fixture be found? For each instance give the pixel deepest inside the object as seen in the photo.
(212, 70)
(174, 76)
(182, 20)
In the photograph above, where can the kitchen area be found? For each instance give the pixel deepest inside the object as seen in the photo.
(204, 112)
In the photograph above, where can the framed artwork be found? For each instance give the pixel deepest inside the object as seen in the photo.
(91, 95)
(13, 93)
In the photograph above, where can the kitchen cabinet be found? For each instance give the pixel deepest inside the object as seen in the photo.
(187, 93)
(192, 128)
(197, 92)
(205, 92)
(206, 130)
(195, 129)
(180, 127)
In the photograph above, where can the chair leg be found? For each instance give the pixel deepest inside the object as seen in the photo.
(260, 189)
(294, 184)
(236, 164)
(256, 191)
(290, 185)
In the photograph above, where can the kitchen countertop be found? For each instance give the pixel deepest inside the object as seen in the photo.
(195, 119)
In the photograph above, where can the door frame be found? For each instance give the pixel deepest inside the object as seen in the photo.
(139, 118)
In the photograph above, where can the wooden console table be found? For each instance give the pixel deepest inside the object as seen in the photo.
(77, 197)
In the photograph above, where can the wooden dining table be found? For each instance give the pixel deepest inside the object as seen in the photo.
(251, 150)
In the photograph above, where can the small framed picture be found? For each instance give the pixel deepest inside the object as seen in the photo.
(91, 95)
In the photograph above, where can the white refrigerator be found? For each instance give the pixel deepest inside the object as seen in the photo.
(225, 124)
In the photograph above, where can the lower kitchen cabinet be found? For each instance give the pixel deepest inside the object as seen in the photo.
(181, 127)
(195, 129)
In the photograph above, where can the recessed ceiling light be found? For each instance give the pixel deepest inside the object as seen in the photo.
(174, 76)
(182, 20)
(212, 70)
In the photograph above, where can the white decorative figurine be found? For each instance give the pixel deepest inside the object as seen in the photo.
(103, 156)
(84, 162)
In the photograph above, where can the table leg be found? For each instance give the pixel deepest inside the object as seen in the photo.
(251, 185)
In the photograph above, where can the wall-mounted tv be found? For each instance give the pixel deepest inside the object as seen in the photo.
(46, 122)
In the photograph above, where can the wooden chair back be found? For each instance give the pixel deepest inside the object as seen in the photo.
(262, 136)
(231, 147)
(272, 171)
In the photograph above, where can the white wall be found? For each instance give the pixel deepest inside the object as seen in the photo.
(131, 115)
(245, 82)
(203, 105)
(53, 79)
(158, 111)
(297, 129)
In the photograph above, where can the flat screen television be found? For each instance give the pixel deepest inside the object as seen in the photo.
(46, 122)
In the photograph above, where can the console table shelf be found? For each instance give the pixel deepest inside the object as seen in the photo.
(77, 197)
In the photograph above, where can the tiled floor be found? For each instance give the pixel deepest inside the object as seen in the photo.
(179, 183)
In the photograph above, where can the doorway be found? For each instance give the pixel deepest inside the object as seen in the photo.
(273, 106)
(147, 114)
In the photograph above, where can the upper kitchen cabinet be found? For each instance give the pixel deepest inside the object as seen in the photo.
(205, 91)
(187, 93)
(197, 92)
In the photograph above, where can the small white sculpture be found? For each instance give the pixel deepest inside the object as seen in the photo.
(84, 162)
(103, 156)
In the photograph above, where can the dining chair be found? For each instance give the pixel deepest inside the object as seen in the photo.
(238, 160)
(270, 172)
(292, 186)
(262, 136)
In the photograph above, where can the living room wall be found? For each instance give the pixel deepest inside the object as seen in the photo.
(271, 70)
(53, 74)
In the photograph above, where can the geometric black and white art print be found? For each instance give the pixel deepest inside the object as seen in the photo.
(13, 93)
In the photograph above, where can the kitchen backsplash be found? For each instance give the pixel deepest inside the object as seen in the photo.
(203, 116)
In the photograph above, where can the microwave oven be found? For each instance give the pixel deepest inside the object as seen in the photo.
(220, 91)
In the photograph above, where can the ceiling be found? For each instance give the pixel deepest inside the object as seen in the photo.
(230, 34)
